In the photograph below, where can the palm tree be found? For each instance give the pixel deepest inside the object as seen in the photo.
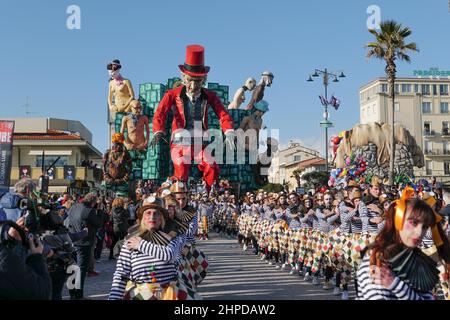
(390, 45)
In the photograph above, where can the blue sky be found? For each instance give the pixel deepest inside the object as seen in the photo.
(63, 71)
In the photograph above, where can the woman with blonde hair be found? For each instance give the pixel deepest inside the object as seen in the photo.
(146, 268)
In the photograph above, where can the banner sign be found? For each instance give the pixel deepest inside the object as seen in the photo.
(6, 144)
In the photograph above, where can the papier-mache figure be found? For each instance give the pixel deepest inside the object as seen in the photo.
(239, 96)
(137, 128)
(258, 93)
(120, 90)
(117, 164)
(189, 104)
(254, 121)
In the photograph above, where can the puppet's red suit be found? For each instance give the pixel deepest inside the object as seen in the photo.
(185, 112)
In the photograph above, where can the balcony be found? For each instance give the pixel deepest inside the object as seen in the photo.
(429, 133)
(436, 153)
(81, 173)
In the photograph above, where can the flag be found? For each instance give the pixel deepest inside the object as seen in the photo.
(335, 102)
(323, 101)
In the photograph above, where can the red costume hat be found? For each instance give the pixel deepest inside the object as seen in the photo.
(195, 61)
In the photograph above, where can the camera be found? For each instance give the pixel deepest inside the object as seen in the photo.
(40, 217)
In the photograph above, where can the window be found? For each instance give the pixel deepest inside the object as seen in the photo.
(397, 88)
(384, 87)
(425, 89)
(428, 147)
(426, 107)
(443, 89)
(446, 147)
(416, 88)
(445, 128)
(406, 87)
(397, 107)
(446, 167)
(444, 107)
(427, 128)
(428, 166)
(434, 89)
(297, 158)
(63, 160)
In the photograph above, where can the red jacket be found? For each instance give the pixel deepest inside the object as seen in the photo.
(173, 101)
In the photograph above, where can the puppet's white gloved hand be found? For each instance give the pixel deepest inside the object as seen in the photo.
(230, 136)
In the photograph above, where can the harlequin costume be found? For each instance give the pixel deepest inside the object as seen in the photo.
(194, 263)
(185, 114)
(158, 253)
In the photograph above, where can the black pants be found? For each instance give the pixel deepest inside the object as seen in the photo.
(58, 279)
(100, 238)
(83, 254)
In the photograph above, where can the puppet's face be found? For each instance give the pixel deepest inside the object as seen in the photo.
(193, 84)
(117, 147)
(250, 84)
(114, 73)
(136, 108)
(268, 80)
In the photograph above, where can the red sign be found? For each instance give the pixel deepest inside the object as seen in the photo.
(6, 141)
(6, 132)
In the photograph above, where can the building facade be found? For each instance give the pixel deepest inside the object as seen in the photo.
(286, 161)
(422, 107)
(70, 141)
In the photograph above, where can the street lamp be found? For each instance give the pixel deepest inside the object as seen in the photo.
(326, 124)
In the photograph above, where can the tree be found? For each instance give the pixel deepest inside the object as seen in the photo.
(389, 46)
(273, 187)
(316, 179)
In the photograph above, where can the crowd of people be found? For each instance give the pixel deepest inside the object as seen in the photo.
(392, 243)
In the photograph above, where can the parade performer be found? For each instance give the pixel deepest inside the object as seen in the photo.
(393, 268)
(198, 261)
(205, 217)
(189, 104)
(153, 248)
(372, 218)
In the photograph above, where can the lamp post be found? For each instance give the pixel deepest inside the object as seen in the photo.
(326, 124)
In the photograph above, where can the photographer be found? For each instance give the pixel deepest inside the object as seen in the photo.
(22, 278)
(80, 216)
(10, 202)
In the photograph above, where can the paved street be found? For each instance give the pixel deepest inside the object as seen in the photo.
(232, 275)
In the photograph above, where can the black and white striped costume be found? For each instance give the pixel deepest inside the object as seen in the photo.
(147, 262)
(398, 290)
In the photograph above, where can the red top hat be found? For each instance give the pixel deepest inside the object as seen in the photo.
(195, 61)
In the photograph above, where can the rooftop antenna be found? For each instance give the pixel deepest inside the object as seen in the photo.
(27, 106)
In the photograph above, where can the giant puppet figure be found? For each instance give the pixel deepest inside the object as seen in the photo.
(189, 104)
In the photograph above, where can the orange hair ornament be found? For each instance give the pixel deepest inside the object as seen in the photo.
(400, 210)
(400, 207)
(118, 137)
(435, 232)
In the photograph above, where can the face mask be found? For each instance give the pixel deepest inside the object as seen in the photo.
(114, 73)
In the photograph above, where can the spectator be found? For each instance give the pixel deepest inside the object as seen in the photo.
(79, 216)
(23, 279)
(120, 218)
(9, 202)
